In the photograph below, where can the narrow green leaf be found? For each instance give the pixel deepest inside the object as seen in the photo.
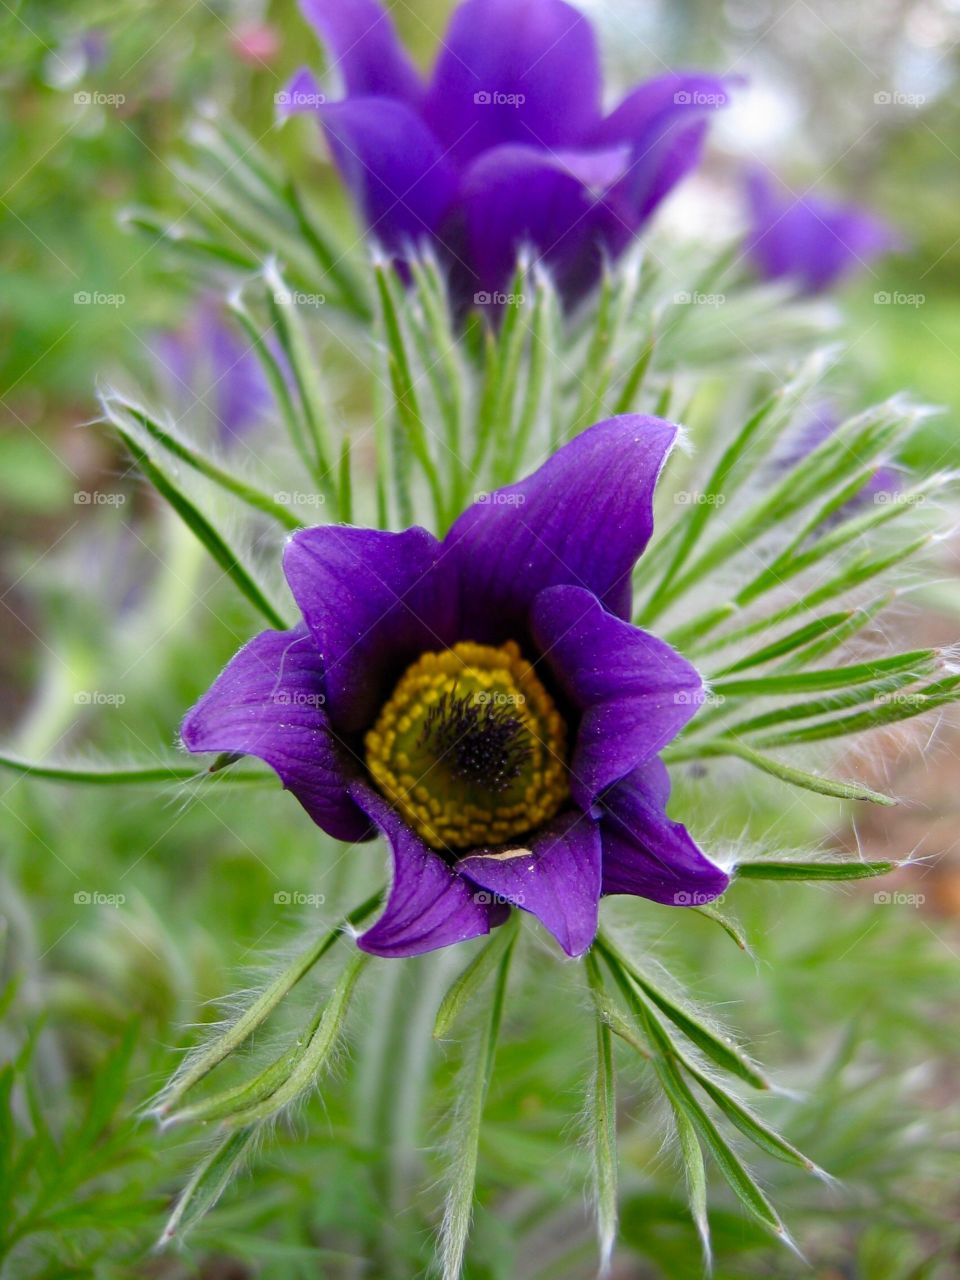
(776, 768)
(895, 708)
(404, 386)
(806, 634)
(253, 497)
(696, 1178)
(682, 1099)
(203, 530)
(466, 985)
(725, 923)
(241, 1097)
(723, 1052)
(208, 1183)
(603, 1124)
(824, 869)
(465, 1133)
(201, 1063)
(345, 486)
(920, 662)
(312, 1057)
(107, 775)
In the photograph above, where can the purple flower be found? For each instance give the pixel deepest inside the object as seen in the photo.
(484, 702)
(210, 365)
(507, 145)
(814, 242)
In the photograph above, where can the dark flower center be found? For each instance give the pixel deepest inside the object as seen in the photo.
(484, 742)
(470, 747)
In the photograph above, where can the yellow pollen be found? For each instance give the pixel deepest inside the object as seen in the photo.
(470, 747)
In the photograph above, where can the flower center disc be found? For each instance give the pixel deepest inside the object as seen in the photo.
(470, 747)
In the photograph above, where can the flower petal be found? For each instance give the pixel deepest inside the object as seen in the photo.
(510, 72)
(665, 122)
(556, 203)
(268, 702)
(303, 93)
(373, 601)
(812, 241)
(647, 855)
(635, 692)
(394, 167)
(430, 905)
(557, 878)
(584, 518)
(362, 45)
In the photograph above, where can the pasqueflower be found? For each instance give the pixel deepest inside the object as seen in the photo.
(814, 242)
(507, 145)
(483, 701)
(213, 369)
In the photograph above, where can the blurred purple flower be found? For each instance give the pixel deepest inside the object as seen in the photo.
(483, 701)
(814, 242)
(507, 145)
(884, 481)
(209, 364)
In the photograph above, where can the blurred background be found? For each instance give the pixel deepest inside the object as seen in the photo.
(125, 916)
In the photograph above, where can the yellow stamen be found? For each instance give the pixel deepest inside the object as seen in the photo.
(470, 747)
